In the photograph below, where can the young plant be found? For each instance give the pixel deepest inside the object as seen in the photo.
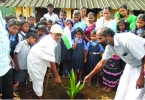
(74, 89)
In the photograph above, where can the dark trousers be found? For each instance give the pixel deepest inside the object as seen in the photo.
(6, 85)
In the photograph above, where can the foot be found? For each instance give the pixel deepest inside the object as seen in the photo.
(108, 90)
(104, 88)
(97, 85)
(63, 76)
(67, 76)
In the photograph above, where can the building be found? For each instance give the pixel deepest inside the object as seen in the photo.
(38, 7)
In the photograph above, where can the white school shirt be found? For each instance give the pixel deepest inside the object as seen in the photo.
(53, 17)
(129, 47)
(22, 50)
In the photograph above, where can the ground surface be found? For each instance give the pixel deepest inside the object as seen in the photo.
(56, 91)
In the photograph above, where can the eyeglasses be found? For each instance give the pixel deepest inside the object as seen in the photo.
(58, 34)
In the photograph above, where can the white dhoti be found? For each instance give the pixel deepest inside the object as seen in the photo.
(127, 85)
(37, 68)
(38, 60)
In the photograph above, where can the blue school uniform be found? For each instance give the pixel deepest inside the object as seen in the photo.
(94, 49)
(66, 54)
(13, 43)
(78, 55)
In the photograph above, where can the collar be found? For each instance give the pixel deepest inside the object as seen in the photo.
(115, 41)
(23, 32)
(26, 42)
(49, 13)
(94, 41)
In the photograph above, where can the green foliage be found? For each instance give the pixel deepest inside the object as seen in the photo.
(74, 89)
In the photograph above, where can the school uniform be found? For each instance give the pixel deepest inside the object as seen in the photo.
(21, 35)
(94, 48)
(38, 61)
(22, 50)
(130, 48)
(78, 55)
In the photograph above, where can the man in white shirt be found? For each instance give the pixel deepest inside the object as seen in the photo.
(130, 48)
(50, 15)
(39, 57)
(6, 73)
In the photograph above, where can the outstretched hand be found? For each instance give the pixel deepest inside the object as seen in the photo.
(58, 80)
(87, 79)
(140, 83)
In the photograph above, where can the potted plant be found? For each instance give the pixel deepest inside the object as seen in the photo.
(74, 89)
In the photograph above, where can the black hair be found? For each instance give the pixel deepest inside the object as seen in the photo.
(22, 22)
(41, 27)
(13, 22)
(50, 5)
(43, 19)
(91, 13)
(9, 16)
(83, 7)
(50, 21)
(78, 29)
(69, 20)
(31, 34)
(142, 17)
(93, 32)
(33, 30)
(30, 17)
(142, 34)
(123, 6)
(125, 23)
(77, 12)
(105, 31)
(40, 23)
(109, 8)
(55, 22)
(63, 11)
(20, 15)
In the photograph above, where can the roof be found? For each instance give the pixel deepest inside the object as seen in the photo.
(115, 4)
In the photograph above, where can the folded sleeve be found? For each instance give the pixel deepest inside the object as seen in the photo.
(107, 53)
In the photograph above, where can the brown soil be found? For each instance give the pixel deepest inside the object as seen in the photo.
(56, 91)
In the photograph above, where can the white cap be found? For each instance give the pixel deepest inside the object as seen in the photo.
(56, 29)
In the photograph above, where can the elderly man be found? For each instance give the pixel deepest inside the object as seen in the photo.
(39, 57)
(130, 49)
(6, 74)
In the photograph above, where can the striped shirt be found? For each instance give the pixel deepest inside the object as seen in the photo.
(4, 48)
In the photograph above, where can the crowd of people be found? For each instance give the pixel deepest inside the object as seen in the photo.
(29, 48)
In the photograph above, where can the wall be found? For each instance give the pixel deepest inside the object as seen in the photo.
(25, 11)
(7, 10)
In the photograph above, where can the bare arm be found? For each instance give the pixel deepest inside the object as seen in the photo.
(85, 57)
(75, 44)
(16, 62)
(140, 81)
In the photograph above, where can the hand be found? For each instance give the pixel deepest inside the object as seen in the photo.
(58, 80)
(87, 79)
(85, 60)
(140, 83)
(17, 68)
(76, 40)
(12, 63)
(0, 95)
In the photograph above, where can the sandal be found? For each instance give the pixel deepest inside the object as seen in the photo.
(104, 88)
(108, 90)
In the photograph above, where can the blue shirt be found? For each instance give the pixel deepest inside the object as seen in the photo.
(4, 48)
(79, 41)
(61, 23)
(139, 31)
(94, 43)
